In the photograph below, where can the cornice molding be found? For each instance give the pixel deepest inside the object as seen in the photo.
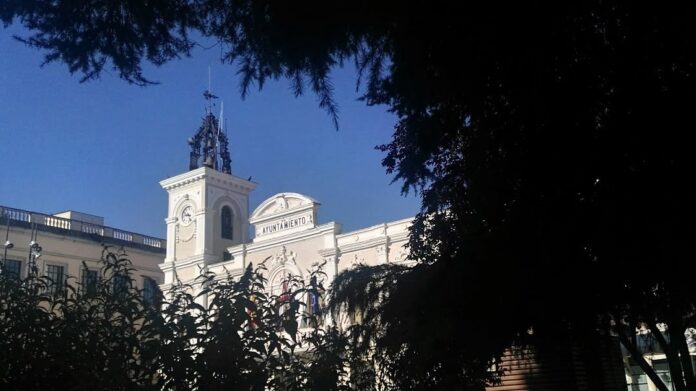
(364, 245)
(182, 180)
(228, 266)
(382, 226)
(320, 230)
(279, 215)
(229, 181)
(400, 237)
(329, 252)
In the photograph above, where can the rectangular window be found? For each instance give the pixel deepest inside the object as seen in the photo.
(56, 274)
(151, 291)
(121, 285)
(88, 283)
(12, 268)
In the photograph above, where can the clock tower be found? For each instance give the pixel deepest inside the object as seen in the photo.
(208, 206)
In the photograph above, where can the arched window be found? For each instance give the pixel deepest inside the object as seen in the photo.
(226, 223)
(282, 288)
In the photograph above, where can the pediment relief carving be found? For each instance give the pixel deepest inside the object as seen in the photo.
(283, 257)
(282, 203)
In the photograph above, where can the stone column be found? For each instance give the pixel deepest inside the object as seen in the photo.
(171, 238)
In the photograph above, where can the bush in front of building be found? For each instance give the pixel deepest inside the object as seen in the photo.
(217, 333)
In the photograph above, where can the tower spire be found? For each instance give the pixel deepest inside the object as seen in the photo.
(210, 142)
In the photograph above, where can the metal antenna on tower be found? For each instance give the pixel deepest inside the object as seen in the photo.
(217, 136)
(222, 112)
(208, 95)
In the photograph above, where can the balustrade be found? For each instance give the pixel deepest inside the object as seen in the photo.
(76, 225)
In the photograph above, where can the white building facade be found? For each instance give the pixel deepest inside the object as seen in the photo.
(209, 224)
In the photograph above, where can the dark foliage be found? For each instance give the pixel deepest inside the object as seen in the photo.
(89, 35)
(109, 339)
(74, 339)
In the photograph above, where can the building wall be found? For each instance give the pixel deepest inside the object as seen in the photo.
(562, 366)
(298, 249)
(288, 240)
(67, 247)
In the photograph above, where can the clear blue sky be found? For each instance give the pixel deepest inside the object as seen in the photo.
(101, 147)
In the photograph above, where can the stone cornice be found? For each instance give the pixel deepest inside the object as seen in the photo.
(279, 215)
(317, 231)
(227, 181)
(227, 267)
(376, 235)
(363, 245)
(166, 266)
(399, 237)
(384, 226)
(182, 263)
(183, 179)
(329, 252)
(214, 177)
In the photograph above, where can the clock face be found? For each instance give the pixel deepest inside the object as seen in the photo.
(187, 215)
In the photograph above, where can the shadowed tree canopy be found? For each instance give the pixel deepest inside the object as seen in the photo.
(548, 141)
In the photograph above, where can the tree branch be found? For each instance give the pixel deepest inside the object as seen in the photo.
(675, 367)
(649, 371)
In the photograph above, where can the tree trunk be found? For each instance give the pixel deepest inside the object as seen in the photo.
(649, 371)
(677, 329)
(675, 367)
(687, 364)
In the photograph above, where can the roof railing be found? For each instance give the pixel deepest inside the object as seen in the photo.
(80, 226)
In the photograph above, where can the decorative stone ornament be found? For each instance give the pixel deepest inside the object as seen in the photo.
(283, 257)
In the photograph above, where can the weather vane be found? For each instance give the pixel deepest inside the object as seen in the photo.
(208, 94)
